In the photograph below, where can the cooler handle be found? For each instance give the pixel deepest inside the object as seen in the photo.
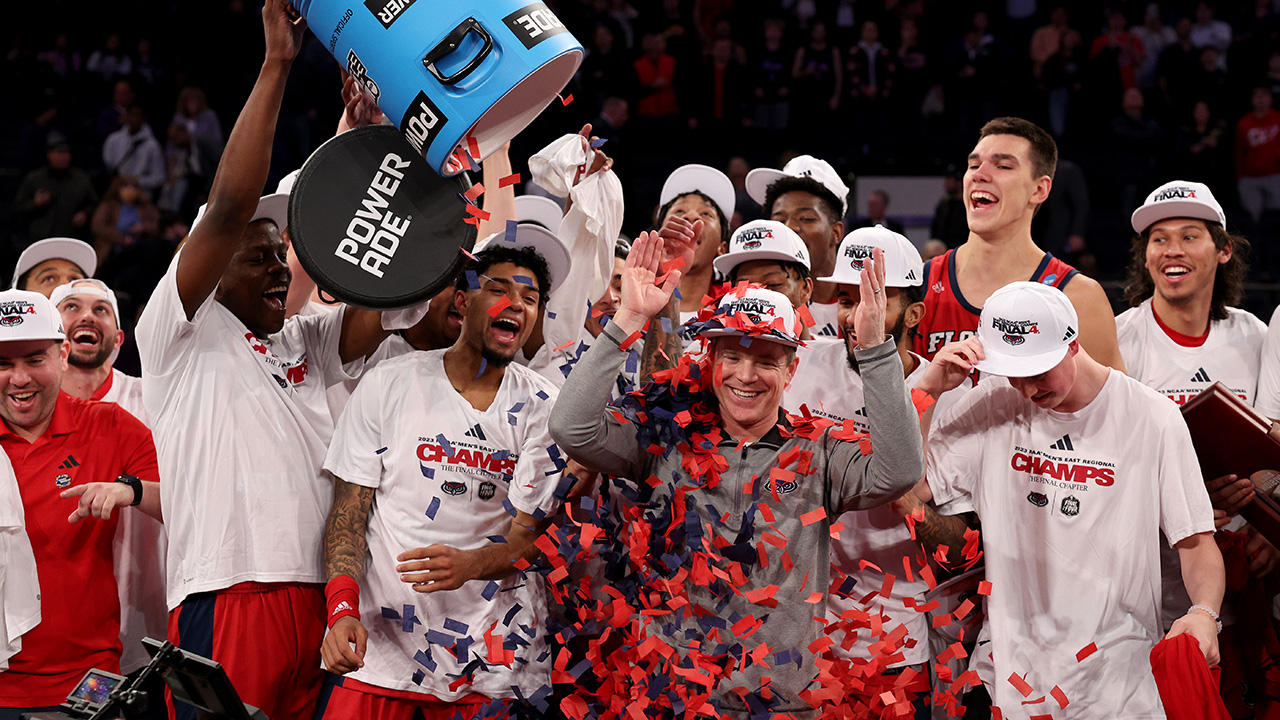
(451, 43)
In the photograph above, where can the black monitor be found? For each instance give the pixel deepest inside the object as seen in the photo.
(201, 682)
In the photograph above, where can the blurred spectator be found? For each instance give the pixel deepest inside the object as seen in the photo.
(54, 200)
(1257, 35)
(877, 208)
(744, 208)
(1119, 51)
(189, 168)
(1202, 151)
(933, 247)
(914, 72)
(1272, 79)
(817, 79)
(720, 100)
(674, 25)
(1060, 224)
(61, 59)
(1063, 79)
(949, 223)
(1047, 40)
(1155, 37)
(1176, 69)
(110, 61)
(134, 150)
(1258, 156)
(111, 117)
(202, 122)
(1211, 32)
(625, 16)
(869, 75)
(1137, 143)
(770, 70)
(845, 22)
(976, 80)
(124, 217)
(656, 72)
(606, 71)
(30, 141)
(1210, 82)
(147, 66)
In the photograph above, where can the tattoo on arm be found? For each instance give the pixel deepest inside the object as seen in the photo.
(656, 338)
(936, 530)
(345, 544)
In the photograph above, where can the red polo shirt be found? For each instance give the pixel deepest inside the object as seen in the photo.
(87, 441)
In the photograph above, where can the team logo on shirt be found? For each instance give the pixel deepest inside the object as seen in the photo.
(486, 490)
(11, 312)
(936, 287)
(1070, 506)
(1037, 499)
(453, 487)
(62, 480)
(1014, 332)
(857, 254)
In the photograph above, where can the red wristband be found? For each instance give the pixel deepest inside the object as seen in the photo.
(342, 598)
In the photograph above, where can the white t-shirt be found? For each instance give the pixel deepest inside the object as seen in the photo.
(444, 473)
(1230, 355)
(19, 583)
(1268, 401)
(825, 323)
(137, 553)
(337, 395)
(1071, 507)
(826, 384)
(241, 428)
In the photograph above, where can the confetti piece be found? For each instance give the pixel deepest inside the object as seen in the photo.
(813, 516)
(474, 192)
(473, 146)
(499, 306)
(482, 214)
(806, 318)
(1086, 651)
(509, 180)
(630, 340)
(598, 142)
(433, 508)
(1020, 685)
(984, 587)
(522, 279)
(1060, 696)
(473, 280)
(558, 349)
(566, 99)
(466, 251)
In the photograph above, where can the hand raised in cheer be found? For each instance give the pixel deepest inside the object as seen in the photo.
(642, 295)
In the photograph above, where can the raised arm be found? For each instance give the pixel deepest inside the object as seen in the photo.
(243, 170)
(662, 348)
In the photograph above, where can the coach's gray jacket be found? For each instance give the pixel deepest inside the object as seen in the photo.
(842, 479)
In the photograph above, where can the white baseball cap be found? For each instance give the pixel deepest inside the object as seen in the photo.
(1178, 199)
(26, 315)
(759, 180)
(273, 207)
(539, 210)
(903, 266)
(704, 179)
(543, 241)
(762, 240)
(70, 249)
(86, 286)
(285, 186)
(755, 312)
(1025, 329)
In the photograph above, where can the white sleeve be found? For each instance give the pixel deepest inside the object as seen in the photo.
(164, 334)
(1267, 401)
(533, 484)
(1184, 502)
(321, 336)
(954, 453)
(357, 449)
(1127, 338)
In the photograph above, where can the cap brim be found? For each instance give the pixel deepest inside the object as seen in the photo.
(759, 180)
(704, 179)
(1148, 215)
(541, 241)
(273, 207)
(70, 249)
(771, 337)
(1018, 366)
(724, 263)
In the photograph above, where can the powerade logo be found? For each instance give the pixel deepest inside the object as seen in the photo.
(11, 312)
(422, 123)
(534, 23)
(754, 238)
(857, 254)
(357, 70)
(387, 11)
(374, 233)
(1014, 332)
(1174, 193)
(337, 30)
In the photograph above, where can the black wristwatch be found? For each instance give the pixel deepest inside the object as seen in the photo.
(135, 483)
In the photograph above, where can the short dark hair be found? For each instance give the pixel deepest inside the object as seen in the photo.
(525, 257)
(913, 293)
(788, 266)
(1228, 278)
(724, 221)
(1044, 151)
(787, 183)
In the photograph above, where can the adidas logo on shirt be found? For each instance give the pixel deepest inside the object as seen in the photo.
(69, 463)
(475, 432)
(1064, 443)
(1201, 376)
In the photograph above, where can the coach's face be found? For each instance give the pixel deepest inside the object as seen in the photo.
(30, 377)
(750, 380)
(1182, 259)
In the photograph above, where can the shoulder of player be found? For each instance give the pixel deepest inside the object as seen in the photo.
(1244, 322)
(105, 415)
(1083, 288)
(534, 381)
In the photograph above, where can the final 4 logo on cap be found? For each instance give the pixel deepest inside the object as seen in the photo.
(762, 240)
(1026, 329)
(26, 315)
(903, 266)
(756, 312)
(1178, 199)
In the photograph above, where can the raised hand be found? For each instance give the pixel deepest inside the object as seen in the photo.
(680, 238)
(868, 319)
(642, 297)
(951, 366)
(283, 28)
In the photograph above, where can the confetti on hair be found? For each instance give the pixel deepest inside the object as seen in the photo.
(466, 251)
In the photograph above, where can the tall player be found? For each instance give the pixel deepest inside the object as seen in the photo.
(1009, 176)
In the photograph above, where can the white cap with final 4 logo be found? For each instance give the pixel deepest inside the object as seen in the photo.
(1025, 329)
(762, 240)
(1178, 199)
(26, 315)
(903, 266)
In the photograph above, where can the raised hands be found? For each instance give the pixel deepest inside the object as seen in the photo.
(868, 319)
(642, 296)
(951, 366)
(283, 28)
(360, 109)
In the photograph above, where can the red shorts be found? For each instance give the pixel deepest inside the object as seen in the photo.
(266, 635)
(344, 698)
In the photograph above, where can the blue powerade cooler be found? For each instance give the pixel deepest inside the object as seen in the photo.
(446, 72)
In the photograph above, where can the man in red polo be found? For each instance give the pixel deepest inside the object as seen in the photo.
(63, 448)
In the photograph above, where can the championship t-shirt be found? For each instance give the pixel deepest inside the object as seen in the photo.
(1231, 354)
(828, 387)
(241, 426)
(1071, 507)
(825, 322)
(1268, 401)
(447, 474)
